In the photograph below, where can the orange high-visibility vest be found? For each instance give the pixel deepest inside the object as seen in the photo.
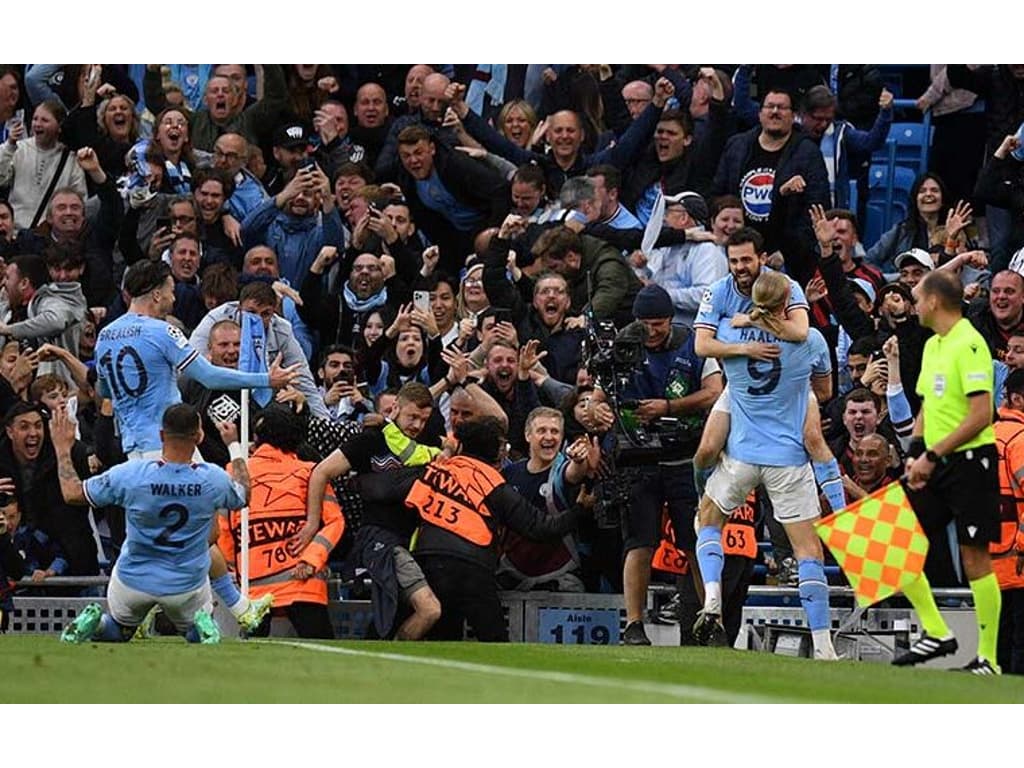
(277, 511)
(1009, 429)
(738, 538)
(451, 494)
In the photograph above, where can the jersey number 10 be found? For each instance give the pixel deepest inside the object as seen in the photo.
(114, 372)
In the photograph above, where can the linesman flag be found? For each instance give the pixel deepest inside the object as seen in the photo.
(878, 543)
(252, 357)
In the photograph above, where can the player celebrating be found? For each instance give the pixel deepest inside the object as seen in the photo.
(138, 357)
(769, 395)
(170, 506)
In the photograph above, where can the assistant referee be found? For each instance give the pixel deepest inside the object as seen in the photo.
(952, 472)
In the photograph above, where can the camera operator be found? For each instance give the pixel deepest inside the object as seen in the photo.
(671, 381)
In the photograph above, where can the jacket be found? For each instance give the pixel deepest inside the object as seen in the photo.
(461, 503)
(612, 282)
(1001, 183)
(1003, 95)
(685, 271)
(901, 237)
(18, 166)
(1009, 429)
(388, 165)
(280, 339)
(629, 145)
(788, 225)
(277, 510)
(851, 147)
(55, 316)
(295, 239)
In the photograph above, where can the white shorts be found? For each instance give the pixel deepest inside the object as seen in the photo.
(129, 607)
(792, 490)
(722, 404)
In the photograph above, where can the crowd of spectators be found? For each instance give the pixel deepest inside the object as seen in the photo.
(458, 226)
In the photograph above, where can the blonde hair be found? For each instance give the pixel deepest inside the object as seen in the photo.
(769, 293)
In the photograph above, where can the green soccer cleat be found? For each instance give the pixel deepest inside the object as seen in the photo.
(255, 613)
(206, 627)
(146, 630)
(82, 629)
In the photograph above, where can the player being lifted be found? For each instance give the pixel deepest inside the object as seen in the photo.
(768, 398)
(170, 511)
(138, 359)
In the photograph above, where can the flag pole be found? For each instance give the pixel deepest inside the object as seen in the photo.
(243, 571)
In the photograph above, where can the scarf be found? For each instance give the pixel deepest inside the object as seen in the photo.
(364, 305)
(494, 86)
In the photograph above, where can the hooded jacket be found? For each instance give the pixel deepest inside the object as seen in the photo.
(55, 316)
(295, 239)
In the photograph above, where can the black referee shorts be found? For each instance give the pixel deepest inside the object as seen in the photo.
(964, 487)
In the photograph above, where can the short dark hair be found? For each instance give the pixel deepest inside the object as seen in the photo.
(414, 134)
(22, 407)
(945, 285)
(335, 349)
(389, 391)
(864, 346)
(862, 395)
(745, 235)
(181, 420)
(1015, 382)
(435, 278)
(481, 437)
(259, 292)
(219, 282)
(32, 267)
(845, 215)
(530, 173)
(183, 236)
(360, 169)
(204, 175)
(818, 97)
(612, 175)
(62, 255)
(277, 425)
(6, 203)
(780, 91)
(679, 116)
(145, 276)
(720, 203)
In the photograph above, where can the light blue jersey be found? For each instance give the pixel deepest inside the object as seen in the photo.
(168, 512)
(722, 300)
(768, 399)
(138, 359)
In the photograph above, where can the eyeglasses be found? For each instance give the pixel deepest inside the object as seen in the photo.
(472, 281)
(183, 219)
(776, 108)
(226, 155)
(552, 291)
(634, 102)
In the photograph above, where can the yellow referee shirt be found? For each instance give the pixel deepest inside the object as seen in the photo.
(954, 366)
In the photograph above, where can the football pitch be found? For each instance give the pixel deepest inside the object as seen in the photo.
(39, 669)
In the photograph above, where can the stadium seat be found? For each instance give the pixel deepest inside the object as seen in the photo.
(884, 206)
(912, 142)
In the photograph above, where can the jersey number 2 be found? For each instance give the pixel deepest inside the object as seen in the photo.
(180, 514)
(767, 380)
(115, 373)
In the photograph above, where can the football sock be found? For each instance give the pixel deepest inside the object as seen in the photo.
(987, 603)
(919, 593)
(229, 594)
(109, 631)
(814, 593)
(192, 635)
(710, 560)
(826, 473)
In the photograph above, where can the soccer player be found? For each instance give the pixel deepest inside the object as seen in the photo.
(730, 298)
(953, 467)
(769, 396)
(170, 507)
(138, 358)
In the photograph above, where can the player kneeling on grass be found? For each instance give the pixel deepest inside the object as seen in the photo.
(170, 505)
(766, 446)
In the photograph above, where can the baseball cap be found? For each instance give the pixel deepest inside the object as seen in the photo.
(291, 136)
(865, 287)
(692, 202)
(922, 258)
(899, 288)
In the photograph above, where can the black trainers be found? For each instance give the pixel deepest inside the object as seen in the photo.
(708, 630)
(634, 634)
(669, 612)
(982, 666)
(925, 649)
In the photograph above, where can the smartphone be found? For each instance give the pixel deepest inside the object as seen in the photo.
(17, 117)
(877, 355)
(308, 165)
(421, 300)
(375, 212)
(501, 315)
(163, 222)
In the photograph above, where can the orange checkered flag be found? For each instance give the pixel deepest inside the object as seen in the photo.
(878, 543)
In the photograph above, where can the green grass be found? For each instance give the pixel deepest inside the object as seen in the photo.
(40, 669)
